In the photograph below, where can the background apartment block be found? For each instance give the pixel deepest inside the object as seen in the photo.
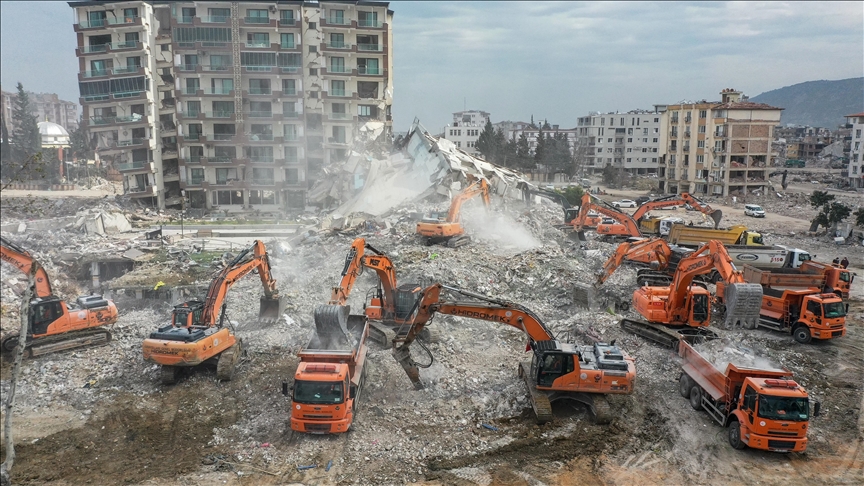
(236, 105)
(466, 129)
(46, 107)
(623, 140)
(856, 153)
(717, 148)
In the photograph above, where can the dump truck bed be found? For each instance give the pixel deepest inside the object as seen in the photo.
(693, 235)
(783, 277)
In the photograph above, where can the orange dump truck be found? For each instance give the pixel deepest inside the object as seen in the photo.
(829, 278)
(330, 376)
(760, 408)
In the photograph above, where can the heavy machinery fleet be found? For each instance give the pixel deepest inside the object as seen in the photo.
(676, 312)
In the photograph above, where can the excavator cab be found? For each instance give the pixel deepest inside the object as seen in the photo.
(45, 312)
(700, 309)
(406, 300)
(548, 366)
(187, 314)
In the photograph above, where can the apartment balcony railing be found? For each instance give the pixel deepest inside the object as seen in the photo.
(211, 67)
(260, 137)
(686, 148)
(687, 133)
(219, 159)
(110, 120)
(290, 114)
(96, 73)
(268, 159)
(290, 137)
(94, 48)
(218, 114)
(369, 47)
(188, 67)
(130, 166)
(292, 92)
(258, 44)
(337, 92)
(674, 120)
(98, 23)
(688, 119)
(133, 142)
(217, 91)
(256, 20)
(369, 23)
(259, 69)
(337, 45)
(290, 69)
(263, 182)
(260, 91)
(195, 159)
(287, 45)
(196, 181)
(181, 19)
(338, 21)
(338, 69)
(223, 136)
(126, 70)
(339, 116)
(214, 19)
(193, 136)
(287, 22)
(126, 94)
(260, 114)
(368, 70)
(190, 91)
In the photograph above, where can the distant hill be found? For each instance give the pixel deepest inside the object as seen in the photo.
(817, 103)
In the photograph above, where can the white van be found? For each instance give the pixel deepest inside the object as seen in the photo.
(754, 210)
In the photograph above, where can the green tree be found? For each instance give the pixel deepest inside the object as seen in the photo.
(573, 194)
(500, 142)
(610, 175)
(820, 198)
(26, 140)
(859, 217)
(540, 149)
(523, 150)
(510, 156)
(486, 142)
(79, 142)
(5, 148)
(558, 156)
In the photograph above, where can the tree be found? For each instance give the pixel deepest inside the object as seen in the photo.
(79, 142)
(5, 148)
(26, 140)
(830, 211)
(540, 149)
(609, 174)
(500, 141)
(574, 195)
(523, 151)
(510, 157)
(486, 142)
(820, 198)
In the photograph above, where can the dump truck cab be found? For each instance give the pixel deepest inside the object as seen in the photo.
(773, 414)
(806, 314)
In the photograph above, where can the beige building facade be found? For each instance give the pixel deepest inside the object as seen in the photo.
(232, 106)
(716, 148)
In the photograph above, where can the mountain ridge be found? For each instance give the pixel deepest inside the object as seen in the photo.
(821, 103)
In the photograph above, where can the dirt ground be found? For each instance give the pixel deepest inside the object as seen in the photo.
(99, 415)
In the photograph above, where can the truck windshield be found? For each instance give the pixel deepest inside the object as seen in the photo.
(318, 392)
(834, 309)
(803, 257)
(784, 408)
(757, 240)
(845, 276)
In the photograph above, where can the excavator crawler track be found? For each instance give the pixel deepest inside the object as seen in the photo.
(227, 362)
(381, 333)
(57, 343)
(597, 404)
(457, 241)
(665, 336)
(539, 400)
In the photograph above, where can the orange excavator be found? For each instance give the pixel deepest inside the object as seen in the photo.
(557, 370)
(53, 325)
(671, 201)
(450, 230)
(626, 226)
(197, 333)
(686, 306)
(654, 252)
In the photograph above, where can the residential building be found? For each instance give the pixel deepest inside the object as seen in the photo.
(629, 141)
(45, 106)
(856, 152)
(233, 106)
(466, 128)
(718, 147)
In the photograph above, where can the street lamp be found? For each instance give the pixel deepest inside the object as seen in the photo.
(182, 209)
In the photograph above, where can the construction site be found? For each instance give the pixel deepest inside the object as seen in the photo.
(413, 332)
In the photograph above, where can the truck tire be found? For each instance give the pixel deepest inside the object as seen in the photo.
(696, 398)
(684, 385)
(734, 434)
(801, 334)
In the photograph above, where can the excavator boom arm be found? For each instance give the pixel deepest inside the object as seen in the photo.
(480, 187)
(656, 248)
(675, 200)
(588, 204)
(237, 269)
(23, 261)
(711, 256)
(355, 261)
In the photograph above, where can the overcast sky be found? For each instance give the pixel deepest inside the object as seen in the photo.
(554, 60)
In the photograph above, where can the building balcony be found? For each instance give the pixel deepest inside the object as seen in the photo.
(370, 24)
(96, 121)
(336, 22)
(148, 191)
(94, 74)
(288, 23)
(216, 68)
(258, 91)
(289, 69)
(263, 137)
(259, 114)
(215, 20)
(338, 46)
(261, 69)
(134, 167)
(340, 116)
(370, 48)
(113, 23)
(101, 49)
(340, 94)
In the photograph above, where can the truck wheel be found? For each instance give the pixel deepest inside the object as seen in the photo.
(734, 432)
(696, 398)
(684, 385)
(801, 334)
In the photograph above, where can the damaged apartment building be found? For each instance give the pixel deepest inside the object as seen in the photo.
(717, 148)
(231, 106)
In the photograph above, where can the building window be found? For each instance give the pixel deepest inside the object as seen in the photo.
(287, 41)
(367, 111)
(259, 86)
(313, 49)
(700, 144)
(337, 87)
(629, 140)
(289, 87)
(337, 41)
(262, 176)
(703, 114)
(339, 134)
(367, 66)
(257, 39)
(219, 14)
(367, 19)
(286, 17)
(337, 65)
(257, 16)
(196, 176)
(702, 128)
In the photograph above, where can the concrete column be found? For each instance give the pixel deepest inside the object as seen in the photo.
(94, 275)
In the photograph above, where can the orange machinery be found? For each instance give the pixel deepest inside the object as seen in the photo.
(673, 201)
(687, 306)
(557, 370)
(197, 332)
(626, 226)
(329, 379)
(450, 230)
(591, 220)
(654, 252)
(837, 278)
(760, 408)
(52, 324)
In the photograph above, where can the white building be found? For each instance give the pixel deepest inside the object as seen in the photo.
(466, 128)
(623, 140)
(856, 150)
(233, 105)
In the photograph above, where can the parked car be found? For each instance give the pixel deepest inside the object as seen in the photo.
(625, 203)
(642, 200)
(754, 211)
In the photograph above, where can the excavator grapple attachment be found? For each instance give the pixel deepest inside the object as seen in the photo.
(743, 302)
(271, 309)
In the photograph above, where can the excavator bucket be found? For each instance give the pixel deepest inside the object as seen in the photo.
(271, 309)
(716, 215)
(331, 326)
(743, 302)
